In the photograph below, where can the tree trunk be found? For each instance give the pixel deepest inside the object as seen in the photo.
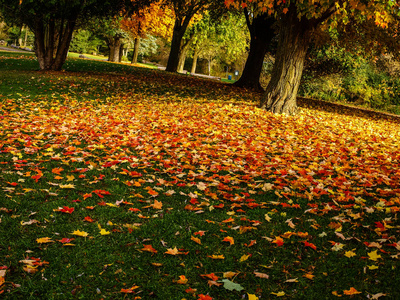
(114, 45)
(136, 50)
(26, 36)
(180, 27)
(294, 39)
(63, 46)
(51, 44)
(194, 64)
(182, 56)
(261, 35)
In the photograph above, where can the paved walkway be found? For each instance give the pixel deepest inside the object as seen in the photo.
(11, 49)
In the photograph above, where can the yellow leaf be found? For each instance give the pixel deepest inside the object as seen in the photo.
(349, 254)
(279, 294)
(67, 186)
(373, 267)
(374, 255)
(267, 217)
(216, 256)
(44, 240)
(80, 233)
(70, 177)
(244, 258)
(252, 297)
(104, 232)
(229, 274)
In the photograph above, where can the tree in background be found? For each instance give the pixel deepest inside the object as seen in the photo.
(184, 11)
(298, 20)
(260, 26)
(53, 22)
(223, 39)
(155, 20)
(84, 41)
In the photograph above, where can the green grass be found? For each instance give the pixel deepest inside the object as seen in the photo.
(109, 140)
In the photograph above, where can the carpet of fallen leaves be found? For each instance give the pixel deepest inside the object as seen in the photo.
(295, 194)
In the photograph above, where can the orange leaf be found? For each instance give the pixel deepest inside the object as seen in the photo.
(229, 239)
(57, 170)
(171, 251)
(278, 241)
(351, 291)
(196, 240)
(229, 220)
(149, 248)
(130, 290)
(157, 204)
(182, 279)
(211, 276)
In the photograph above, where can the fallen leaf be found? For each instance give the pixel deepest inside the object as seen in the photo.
(44, 240)
(278, 241)
(229, 239)
(252, 297)
(351, 291)
(279, 294)
(80, 233)
(104, 232)
(261, 275)
(196, 240)
(374, 255)
(244, 258)
(229, 285)
(182, 279)
(130, 290)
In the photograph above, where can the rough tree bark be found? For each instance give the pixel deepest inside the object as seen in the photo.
(52, 43)
(261, 35)
(294, 39)
(180, 27)
(114, 44)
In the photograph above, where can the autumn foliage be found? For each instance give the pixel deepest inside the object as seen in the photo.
(208, 194)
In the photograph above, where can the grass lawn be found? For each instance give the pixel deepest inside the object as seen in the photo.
(119, 182)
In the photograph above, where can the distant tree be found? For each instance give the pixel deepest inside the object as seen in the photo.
(84, 41)
(53, 22)
(260, 26)
(184, 11)
(155, 19)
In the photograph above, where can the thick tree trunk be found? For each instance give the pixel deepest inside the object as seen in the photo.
(51, 45)
(136, 50)
(114, 45)
(261, 35)
(294, 39)
(180, 27)
(63, 46)
(194, 64)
